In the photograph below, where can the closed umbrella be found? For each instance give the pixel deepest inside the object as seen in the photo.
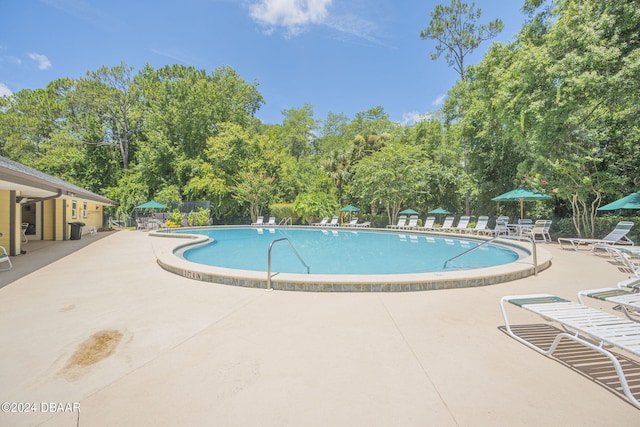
(521, 194)
(632, 201)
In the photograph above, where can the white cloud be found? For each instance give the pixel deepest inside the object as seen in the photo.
(414, 117)
(439, 100)
(4, 90)
(294, 15)
(42, 60)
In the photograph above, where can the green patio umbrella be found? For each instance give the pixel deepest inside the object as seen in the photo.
(521, 194)
(409, 212)
(351, 209)
(439, 211)
(632, 201)
(151, 205)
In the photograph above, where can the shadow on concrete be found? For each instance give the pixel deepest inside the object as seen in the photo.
(40, 253)
(583, 360)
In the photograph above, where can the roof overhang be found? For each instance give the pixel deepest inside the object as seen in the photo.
(32, 185)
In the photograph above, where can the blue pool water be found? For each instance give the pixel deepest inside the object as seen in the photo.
(328, 251)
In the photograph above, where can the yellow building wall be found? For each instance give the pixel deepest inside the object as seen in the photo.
(48, 208)
(5, 206)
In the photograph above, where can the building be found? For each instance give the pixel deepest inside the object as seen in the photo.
(37, 206)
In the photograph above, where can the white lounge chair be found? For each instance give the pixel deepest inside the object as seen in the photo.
(480, 227)
(259, 221)
(428, 224)
(540, 228)
(351, 223)
(23, 229)
(413, 223)
(402, 220)
(4, 259)
(463, 224)
(447, 224)
(592, 328)
(499, 229)
(272, 221)
(627, 300)
(365, 224)
(334, 222)
(322, 223)
(617, 237)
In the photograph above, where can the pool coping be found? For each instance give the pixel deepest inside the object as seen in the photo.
(165, 247)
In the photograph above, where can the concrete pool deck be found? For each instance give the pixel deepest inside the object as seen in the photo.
(190, 353)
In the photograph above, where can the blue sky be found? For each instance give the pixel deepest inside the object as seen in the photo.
(341, 56)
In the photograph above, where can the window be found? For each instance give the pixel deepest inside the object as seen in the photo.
(74, 209)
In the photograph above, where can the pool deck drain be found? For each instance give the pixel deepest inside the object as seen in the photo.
(166, 245)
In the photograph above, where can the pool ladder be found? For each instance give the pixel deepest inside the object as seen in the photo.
(269, 259)
(286, 220)
(534, 251)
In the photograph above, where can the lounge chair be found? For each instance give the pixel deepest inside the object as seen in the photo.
(499, 229)
(632, 283)
(480, 227)
(617, 237)
(322, 223)
(365, 224)
(447, 224)
(272, 221)
(259, 221)
(428, 224)
(351, 223)
(412, 224)
(334, 222)
(402, 220)
(23, 229)
(592, 328)
(4, 259)
(626, 299)
(540, 228)
(463, 224)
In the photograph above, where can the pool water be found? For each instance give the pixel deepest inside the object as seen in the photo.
(331, 251)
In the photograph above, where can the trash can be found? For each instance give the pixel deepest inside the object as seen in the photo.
(76, 230)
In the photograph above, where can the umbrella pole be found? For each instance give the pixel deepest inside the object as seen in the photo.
(521, 208)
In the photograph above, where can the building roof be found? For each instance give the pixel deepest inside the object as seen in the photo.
(34, 184)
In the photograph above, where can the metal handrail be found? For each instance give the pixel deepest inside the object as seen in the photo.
(286, 220)
(269, 259)
(534, 251)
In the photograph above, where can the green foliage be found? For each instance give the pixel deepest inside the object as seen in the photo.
(559, 103)
(175, 217)
(254, 189)
(454, 28)
(169, 195)
(313, 206)
(130, 192)
(198, 217)
(283, 210)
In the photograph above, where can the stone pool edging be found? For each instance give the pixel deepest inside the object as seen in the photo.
(166, 244)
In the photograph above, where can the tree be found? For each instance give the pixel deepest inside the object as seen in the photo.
(254, 189)
(110, 102)
(388, 178)
(454, 28)
(297, 132)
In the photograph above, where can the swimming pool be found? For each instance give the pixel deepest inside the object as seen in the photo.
(421, 269)
(331, 251)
